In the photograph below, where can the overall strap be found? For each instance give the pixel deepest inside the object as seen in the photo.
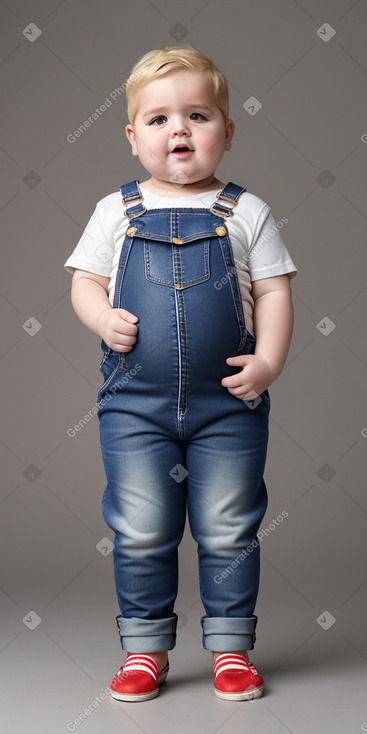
(229, 195)
(130, 192)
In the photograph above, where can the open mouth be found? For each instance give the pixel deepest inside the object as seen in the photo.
(182, 151)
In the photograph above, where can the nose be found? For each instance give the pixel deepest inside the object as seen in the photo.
(180, 127)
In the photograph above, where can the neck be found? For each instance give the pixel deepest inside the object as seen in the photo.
(166, 188)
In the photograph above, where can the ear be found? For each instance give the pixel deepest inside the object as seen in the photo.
(229, 134)
(129, 130)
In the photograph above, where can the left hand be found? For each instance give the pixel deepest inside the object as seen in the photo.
(253, 379)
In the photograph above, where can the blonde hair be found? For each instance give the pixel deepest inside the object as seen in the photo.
(161, 62)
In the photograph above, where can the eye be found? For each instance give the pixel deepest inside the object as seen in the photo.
(159, 120)
(196, 115)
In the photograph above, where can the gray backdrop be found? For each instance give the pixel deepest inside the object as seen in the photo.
(304, 152)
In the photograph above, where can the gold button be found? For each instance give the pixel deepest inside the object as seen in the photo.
(221, 231)
(131, 231)
(177, 241)
(178, 286)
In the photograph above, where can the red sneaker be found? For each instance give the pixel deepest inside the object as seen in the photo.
(236, 679)
(138, 679)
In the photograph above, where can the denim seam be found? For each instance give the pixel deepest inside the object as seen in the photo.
(121, 365)
(108, 380)
(265, 397)
(105, 357)
(157, 237)
(226, 249)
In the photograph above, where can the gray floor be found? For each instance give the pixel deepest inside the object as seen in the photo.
(315, 677)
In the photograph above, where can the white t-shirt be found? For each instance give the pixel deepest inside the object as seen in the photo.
(258, 248)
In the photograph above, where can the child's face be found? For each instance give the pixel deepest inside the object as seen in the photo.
(179, 110)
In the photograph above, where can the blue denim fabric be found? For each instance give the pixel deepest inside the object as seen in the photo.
(173, 439)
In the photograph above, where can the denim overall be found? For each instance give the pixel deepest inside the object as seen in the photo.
(172, 438)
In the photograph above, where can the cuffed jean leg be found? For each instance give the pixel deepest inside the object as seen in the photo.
(227, 499)
(146, 508)
(147, 635)
(240, 634)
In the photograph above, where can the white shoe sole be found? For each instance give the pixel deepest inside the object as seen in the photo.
(241, 695)
(134, 696)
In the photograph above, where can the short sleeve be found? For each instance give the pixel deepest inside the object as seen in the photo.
(268, 255)
(95, 249)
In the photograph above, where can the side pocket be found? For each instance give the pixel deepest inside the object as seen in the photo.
(107, 351)
(266, 397)
(111, 363)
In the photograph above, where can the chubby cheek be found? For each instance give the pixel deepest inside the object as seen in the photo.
(215, 151)
(215, 143)
(145, 151)
(153, 156)
(149, 150)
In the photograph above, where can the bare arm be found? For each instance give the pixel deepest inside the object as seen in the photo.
(116, 326)
(273, 322)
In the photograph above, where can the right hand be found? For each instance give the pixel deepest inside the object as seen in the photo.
(118, 329)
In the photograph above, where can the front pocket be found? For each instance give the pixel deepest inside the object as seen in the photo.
(169, 265)
(111, 363)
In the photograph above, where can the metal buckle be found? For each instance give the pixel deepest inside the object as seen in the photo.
(222, 211)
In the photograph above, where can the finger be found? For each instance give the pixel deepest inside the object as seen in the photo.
(238, 392)
(125, 341)
(128, 316)
(240, 360)
(121, 348)
(127, 329)
(233, 381)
